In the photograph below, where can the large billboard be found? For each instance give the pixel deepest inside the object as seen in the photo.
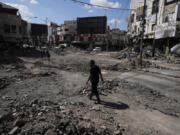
(39, 29)
(92, 25)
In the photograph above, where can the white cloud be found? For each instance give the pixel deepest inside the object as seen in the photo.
(33, 1)
(24, 10)
(90, 11)
(113, 21)
(87, 6)
(106, 3)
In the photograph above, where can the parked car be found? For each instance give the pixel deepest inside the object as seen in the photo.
(97, 49)
(62, 46)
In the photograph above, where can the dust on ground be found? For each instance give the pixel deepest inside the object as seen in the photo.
(51, 98)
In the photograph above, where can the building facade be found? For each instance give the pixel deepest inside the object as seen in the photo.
(162, 20)
(118, 38)
(52, 32)
(10, 24)
(39, 33)
(170, 21)
(67, 30)
(134, 23)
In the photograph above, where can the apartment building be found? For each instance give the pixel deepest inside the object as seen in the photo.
(162, 20)
(134, 25)
(67, 30)
(10, 24)
(170, 26)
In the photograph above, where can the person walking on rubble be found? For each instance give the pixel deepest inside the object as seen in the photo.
(95, 72)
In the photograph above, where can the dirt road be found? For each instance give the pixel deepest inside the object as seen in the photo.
(41, 97)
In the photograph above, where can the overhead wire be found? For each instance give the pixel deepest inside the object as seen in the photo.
(100, 6)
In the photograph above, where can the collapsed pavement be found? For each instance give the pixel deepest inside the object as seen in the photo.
(50, 98)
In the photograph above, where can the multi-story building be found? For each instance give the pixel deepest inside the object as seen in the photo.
(10, 24)
(170, 20)
(67, 30)
(134, 25)
(39, 33)
(162, 21)
(118, 38)
(52, 32)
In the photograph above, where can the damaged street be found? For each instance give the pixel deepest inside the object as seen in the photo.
(41, 97)
(90, 67)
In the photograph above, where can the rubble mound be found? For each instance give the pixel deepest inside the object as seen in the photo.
(139, 94)
(108, 86)
(10, 53)
(4, 82)
(47, 118)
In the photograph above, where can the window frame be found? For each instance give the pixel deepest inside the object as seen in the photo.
(5, 28)
(20, 30)
(154, 11)
(13, 29)
(153, 27)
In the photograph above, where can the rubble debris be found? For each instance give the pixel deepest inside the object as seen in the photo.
(45, 113)
(176, 49)
(156, 100)
(4, 82)
(14, 131)
(57, 121)
(45, 74)
(108, 86)
(19, 122)
(50, 132)
(4, 115)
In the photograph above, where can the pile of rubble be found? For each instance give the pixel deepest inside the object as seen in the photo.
(47, 118)
(11, 54)
(4, 82)
(108, 87)
(129, 59)
(139, 94)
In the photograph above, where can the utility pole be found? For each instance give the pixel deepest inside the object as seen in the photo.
(115, 24)
(154, 41)
(143, 30)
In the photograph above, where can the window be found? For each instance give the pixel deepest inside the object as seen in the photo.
(167, 19)
(135, 28)
(132, 18)
(20, 30)
(153, 27)
(178, 13)
(66, 30)
(139, 18)
(13, 29)
(7, 28)
(155, 7)
(139, 13)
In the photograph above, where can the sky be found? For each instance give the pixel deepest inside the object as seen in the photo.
(41, 11)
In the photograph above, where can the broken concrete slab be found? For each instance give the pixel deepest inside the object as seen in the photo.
(14, 130)
(50, 132)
